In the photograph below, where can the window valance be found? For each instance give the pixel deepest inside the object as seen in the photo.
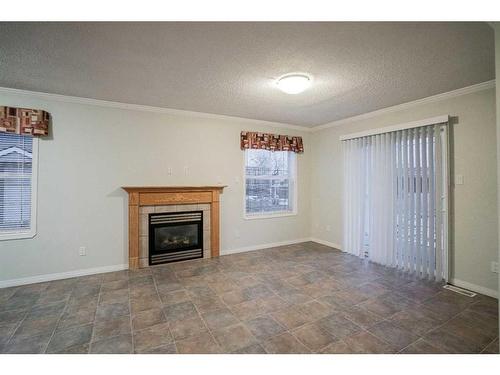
(272, 142)
(23, 121)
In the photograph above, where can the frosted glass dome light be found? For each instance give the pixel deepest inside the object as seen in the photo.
(294, 83)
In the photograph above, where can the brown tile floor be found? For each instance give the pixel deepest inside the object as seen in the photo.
(305, 298)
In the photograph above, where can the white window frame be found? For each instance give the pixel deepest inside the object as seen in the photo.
(277, 214)
(17, 235)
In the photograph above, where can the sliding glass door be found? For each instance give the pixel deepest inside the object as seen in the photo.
(396, 199)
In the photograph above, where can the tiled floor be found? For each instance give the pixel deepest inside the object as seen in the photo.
(305, 298)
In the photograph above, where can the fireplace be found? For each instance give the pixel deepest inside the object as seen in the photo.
(144, 200)
(175, 236)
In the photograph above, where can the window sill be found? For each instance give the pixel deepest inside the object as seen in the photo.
(270, 215)
(17, 236)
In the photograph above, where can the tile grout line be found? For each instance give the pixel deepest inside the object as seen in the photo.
(15, 330)
(422, 304)
(420, 337)
(129, 300)
(290, 330)
(386, 319)
(21, 321)
(171, 269)
(208, 328)
(352, 321)
(203, 320)
(240, 321)
(58, 320)
(95, 316)
(286, 329)
(496, 338)
(410, 344)
(491, 342)
(439, 326)
(163, 313)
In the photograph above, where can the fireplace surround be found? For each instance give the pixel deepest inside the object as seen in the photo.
(144, 200)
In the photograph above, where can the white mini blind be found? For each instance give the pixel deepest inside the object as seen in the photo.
(16, 180)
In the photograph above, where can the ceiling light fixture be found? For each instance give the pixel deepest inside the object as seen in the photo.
(294, 83)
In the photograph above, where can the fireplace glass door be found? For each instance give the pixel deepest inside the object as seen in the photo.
(175, 236)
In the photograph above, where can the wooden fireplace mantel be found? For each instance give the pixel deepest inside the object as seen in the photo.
(165, 195)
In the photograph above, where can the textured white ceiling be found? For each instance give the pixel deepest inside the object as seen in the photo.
(229, 68)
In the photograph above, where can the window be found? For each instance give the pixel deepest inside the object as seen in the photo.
(18, 172)
(270, 183)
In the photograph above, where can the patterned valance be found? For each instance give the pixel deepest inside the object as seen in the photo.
(23, 121)
(272, 142)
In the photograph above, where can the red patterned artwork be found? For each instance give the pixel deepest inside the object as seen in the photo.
(272, 142)
(23, 121)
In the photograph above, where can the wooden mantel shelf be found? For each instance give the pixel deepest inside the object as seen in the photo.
(130, 189)
(164, 195)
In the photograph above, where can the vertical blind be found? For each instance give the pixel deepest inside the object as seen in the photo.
(395, 199)
(16, 154)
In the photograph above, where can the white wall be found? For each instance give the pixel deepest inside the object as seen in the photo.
(475, 220)
(95, 150)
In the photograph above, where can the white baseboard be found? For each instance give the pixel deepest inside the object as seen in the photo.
(61, 275)
(326, 243)
(475, 288)
(263, 246)
(119, 267)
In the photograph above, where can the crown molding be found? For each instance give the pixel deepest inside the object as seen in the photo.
(170, 111)
(430, 99)
(145, 108)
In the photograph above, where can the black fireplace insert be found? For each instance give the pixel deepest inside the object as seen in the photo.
(175, 236)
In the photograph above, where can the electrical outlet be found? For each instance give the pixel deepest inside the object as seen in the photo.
(328, 228)
(236, 234)
(169, 171)
(459, 179)
(82, 251)
(494, 267)
(186, 171)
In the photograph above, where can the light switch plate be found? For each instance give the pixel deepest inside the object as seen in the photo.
(459, 179)
(494, 267)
